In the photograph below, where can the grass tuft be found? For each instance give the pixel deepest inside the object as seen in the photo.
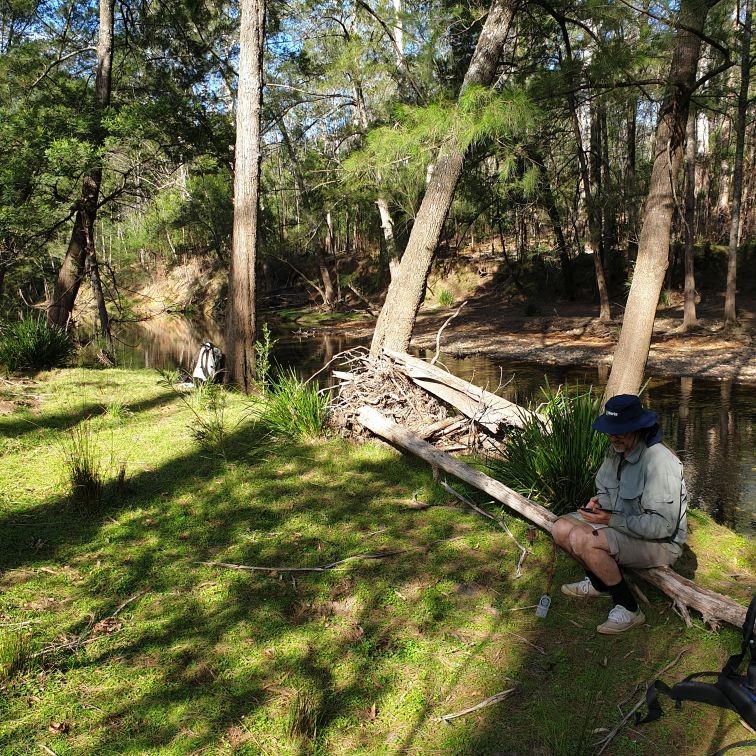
(553, 459)
(16, 654)
(33, 344)
(81, 461)
(294, 409)
(303, 715)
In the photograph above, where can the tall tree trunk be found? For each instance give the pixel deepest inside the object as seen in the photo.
(630, 182)
(689, 307)
(60, 308)
(593, 242)
(387, 222)
(730, 312)
(556, 224)
(240, 312)
(393, 329)
(631, 352)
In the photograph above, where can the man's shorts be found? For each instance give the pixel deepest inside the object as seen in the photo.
(634, 552)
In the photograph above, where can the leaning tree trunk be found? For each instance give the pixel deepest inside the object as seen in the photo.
(631, 352)
(60, 308)
(102, 310)
(730, 313)
(397, 318)
(240, 312)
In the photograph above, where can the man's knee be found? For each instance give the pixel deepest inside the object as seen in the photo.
(560, 530)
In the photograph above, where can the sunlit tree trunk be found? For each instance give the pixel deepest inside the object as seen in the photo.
(730, 313)
(631, 352)
(240, 312)
(393, 329)
(60, 308)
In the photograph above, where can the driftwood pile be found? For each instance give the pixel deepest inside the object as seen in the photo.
(387, 385)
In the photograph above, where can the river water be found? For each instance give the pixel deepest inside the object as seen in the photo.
(709, 423)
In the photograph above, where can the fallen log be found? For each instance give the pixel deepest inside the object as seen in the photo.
(487, 409)
(714, 607)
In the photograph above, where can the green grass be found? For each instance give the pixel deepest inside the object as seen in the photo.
(359, 659)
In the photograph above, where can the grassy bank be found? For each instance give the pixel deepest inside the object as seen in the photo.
(145, 649)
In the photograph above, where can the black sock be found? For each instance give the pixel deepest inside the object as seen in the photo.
(596, 581)
(622, 595)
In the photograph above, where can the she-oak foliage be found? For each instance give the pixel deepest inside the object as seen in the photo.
(480, 117)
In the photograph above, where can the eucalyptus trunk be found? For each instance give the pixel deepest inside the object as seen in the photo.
(631, 353)
(730, 312)
(240, 312)
(81, 243)
(689, 307)
(393, 329)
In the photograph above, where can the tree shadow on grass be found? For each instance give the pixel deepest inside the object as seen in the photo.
(15, 426)
(208, 656)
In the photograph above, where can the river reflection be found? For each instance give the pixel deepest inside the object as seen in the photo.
(709, 423)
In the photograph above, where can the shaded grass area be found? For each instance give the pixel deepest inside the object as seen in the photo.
(180, 657)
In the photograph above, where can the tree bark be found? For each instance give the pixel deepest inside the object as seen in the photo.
(689, 307)
(730, 312)
(60, 308)
(240, 312)
(631, 352)
(102, 310)
(393, 329)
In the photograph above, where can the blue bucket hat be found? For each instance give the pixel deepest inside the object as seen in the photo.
(623, 414)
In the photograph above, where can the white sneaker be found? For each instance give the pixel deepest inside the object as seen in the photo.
(583, 589)
(621, 619)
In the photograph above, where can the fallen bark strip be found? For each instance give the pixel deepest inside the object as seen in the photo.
(714, 607)
(487, 409)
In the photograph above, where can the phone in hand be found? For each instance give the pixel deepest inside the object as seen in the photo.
(594, 509)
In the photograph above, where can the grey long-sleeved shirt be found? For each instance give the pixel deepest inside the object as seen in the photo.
(647, 495)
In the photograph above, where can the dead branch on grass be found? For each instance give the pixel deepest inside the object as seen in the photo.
(327, 567)
(604, 742)
(497, 520)
(482, 705)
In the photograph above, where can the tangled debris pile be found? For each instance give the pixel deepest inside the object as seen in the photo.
(382, 383)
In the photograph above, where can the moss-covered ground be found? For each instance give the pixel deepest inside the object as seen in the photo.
(143, 648)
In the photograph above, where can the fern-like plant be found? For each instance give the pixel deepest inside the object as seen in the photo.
(553, 459)
(34, 344)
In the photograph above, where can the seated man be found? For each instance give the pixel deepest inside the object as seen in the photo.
(636, 519)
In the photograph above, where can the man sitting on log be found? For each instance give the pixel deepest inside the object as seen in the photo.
(636, 519)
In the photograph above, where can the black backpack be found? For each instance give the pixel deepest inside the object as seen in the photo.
(730, 691)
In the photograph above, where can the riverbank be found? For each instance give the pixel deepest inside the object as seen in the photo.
(569, 333)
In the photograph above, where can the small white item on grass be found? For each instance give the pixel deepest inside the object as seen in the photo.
(543, 606)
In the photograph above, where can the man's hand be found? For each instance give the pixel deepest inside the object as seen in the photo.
(594, 514)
